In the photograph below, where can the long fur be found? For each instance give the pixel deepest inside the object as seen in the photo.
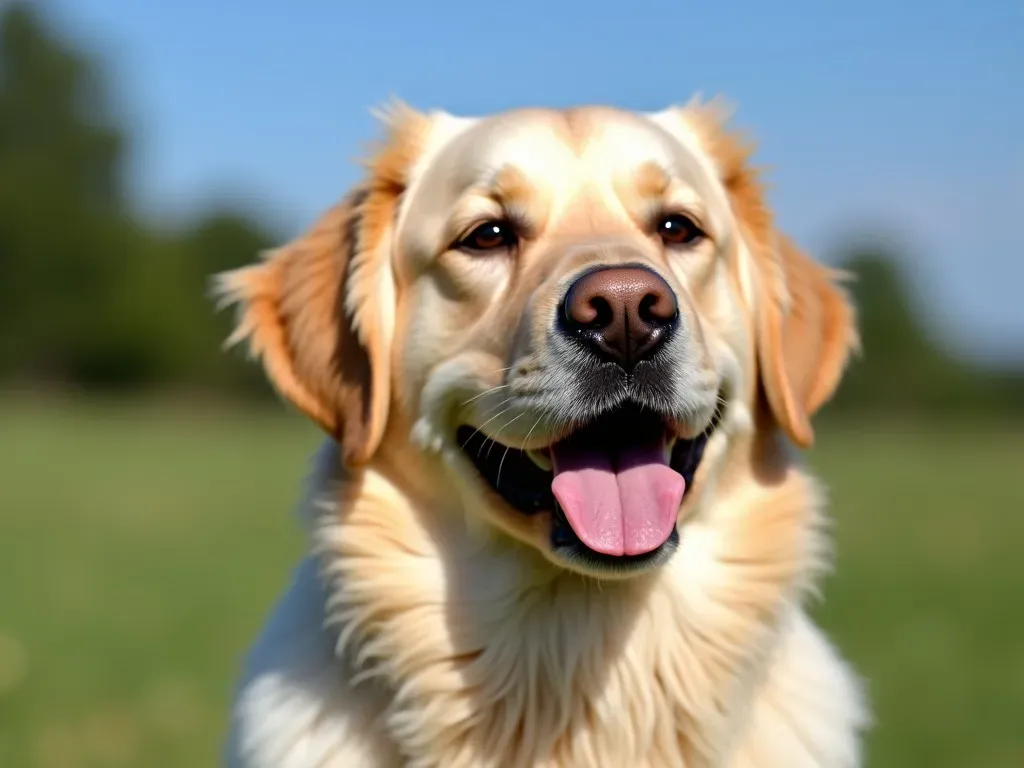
(405, 642)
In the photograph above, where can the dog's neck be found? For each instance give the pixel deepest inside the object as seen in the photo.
(493, 654)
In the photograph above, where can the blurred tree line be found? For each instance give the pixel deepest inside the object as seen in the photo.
(902, 368)
(91, 296)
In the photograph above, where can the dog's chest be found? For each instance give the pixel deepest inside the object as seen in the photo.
(569, 674)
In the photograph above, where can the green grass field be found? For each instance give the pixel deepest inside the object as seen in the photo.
(141, 546)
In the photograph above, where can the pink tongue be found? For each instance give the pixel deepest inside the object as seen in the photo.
(624, 505)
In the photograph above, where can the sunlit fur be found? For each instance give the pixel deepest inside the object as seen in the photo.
(433, 626)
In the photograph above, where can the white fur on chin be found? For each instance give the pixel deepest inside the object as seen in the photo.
(404, 641)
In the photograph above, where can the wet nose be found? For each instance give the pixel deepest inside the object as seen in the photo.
(621, 314)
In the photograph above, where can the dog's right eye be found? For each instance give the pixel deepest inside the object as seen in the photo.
(489, 236)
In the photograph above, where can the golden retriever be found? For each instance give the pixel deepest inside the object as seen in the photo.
(561, 357)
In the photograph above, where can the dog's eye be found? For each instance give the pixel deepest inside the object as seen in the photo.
(490, 236)
(677, 229)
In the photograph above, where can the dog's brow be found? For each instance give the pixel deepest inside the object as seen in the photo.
(651, 180)
(511, 188)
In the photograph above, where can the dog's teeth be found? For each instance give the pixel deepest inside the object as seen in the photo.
(669, 445)
(540, 459)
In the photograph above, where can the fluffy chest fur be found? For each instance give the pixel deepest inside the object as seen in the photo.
(466, 657)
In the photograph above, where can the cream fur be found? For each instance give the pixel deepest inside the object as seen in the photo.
(407, 642)
(432, 627)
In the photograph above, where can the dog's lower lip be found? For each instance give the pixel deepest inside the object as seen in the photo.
(541, 457)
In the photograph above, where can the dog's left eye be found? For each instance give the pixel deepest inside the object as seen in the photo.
(678, 229)
(489, 236)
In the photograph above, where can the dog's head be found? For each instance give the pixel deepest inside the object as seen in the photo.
(561, 308)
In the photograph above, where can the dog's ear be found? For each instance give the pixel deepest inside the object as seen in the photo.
(318, 312)
(805, 323)
(806, 332)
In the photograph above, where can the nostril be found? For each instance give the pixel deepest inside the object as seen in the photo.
(656, 309)
(592, 312)
(601, 313)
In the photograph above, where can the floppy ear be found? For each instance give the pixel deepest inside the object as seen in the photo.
(806, 331)
(805, 323)
(318, 312)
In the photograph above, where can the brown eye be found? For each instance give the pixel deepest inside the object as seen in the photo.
(677, 229)
(490, 236)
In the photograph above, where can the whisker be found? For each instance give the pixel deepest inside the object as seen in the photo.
(484, 393)
(493, 407)
(500, 465)
(716, 417)
(499, 431)
(502, 462)
(477, 430)
(497, 483)
(707, 430)
(528, 434)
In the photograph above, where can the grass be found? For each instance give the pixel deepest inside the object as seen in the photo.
(141, 546)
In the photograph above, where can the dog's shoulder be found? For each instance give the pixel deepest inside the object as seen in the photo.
(294, 705)
(808, 707)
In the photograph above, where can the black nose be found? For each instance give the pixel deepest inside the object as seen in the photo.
(622, 314)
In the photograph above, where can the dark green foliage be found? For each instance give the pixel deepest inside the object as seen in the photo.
(902, 368)
(90, 296)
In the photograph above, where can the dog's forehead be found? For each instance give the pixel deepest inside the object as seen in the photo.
(561, 148)
(539, 143)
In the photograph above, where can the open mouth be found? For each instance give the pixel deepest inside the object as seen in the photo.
(614, 486)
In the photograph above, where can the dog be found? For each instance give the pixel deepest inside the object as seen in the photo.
(562, 359)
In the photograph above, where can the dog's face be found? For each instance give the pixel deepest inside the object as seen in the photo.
(576, 311)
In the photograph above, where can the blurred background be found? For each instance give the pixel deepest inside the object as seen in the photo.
(146, 478)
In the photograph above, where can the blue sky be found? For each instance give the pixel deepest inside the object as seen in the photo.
(904, 120)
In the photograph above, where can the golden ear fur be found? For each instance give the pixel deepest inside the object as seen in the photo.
(805, 322)
(806, 330)
(318, 311)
